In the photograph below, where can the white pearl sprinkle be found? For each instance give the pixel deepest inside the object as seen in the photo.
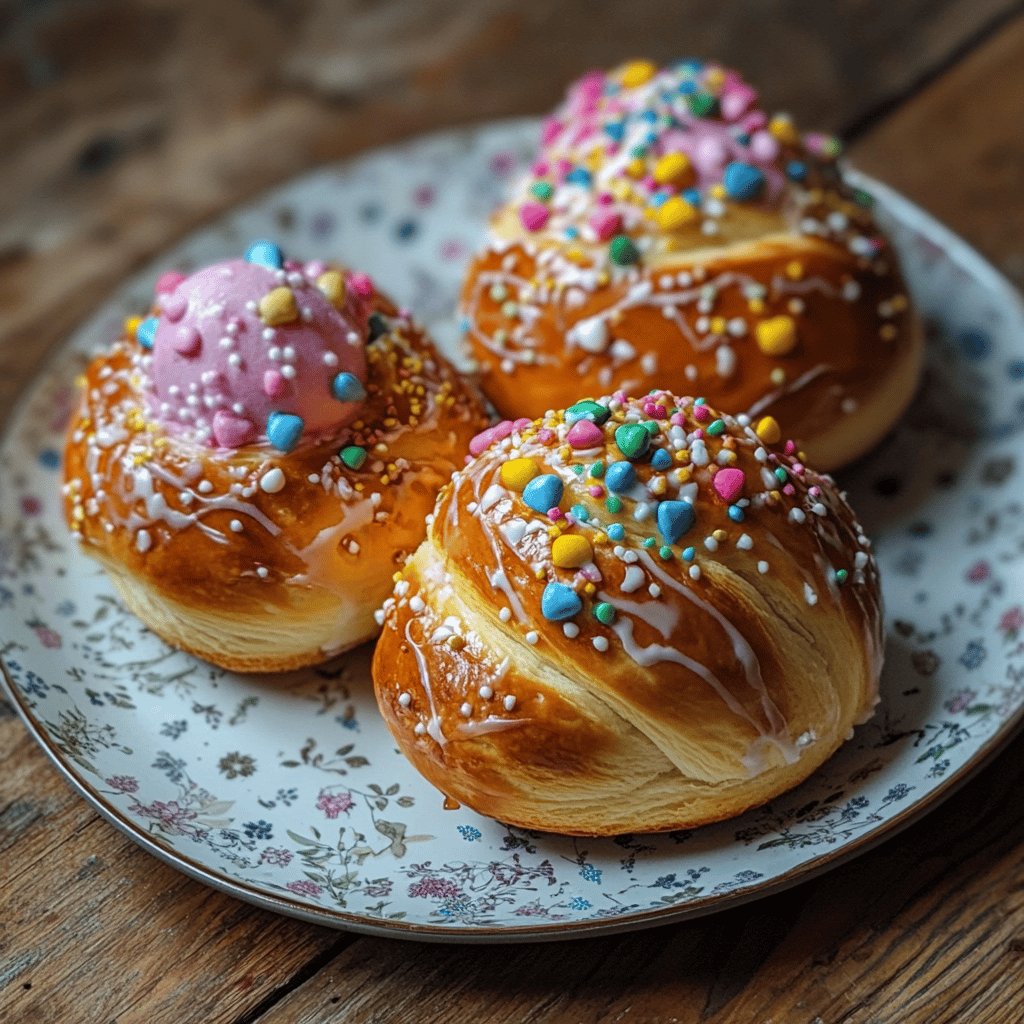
(466, 710)
(505, 614)
(405, 699)
(236, 526)
(273, 480)
(601, 643)
(509, 702)
(486, 692)
(262, 571)
(532, 637)
(288, 372)
(571, 630)
(762, 567)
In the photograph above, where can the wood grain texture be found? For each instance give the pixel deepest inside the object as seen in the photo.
(124, 126)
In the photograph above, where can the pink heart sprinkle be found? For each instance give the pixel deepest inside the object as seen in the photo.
(173, 307)
(498, 432)
(187, 341)
(729, 483)
(585, 434)
(231, 431)
(273, 384)
(168, 281)
(701, 413)
(534, 215)
(605, 223)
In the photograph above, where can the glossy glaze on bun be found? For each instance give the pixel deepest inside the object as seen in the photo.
(253, 461)
(636, 615)
(673, 234)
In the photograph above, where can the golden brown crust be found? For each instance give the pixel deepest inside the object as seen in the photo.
(772, 290)
(253, 579)
(696, 678)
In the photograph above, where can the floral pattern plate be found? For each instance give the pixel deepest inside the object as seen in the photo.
(288, 792)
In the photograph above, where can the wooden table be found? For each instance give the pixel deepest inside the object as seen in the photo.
(125, 125)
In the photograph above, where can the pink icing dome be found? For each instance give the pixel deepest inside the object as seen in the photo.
(240, 341)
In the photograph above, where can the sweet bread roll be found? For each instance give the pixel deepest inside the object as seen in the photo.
(253, 460)
(672, 234)
(635, 615)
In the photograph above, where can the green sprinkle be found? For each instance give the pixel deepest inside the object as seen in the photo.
(649, 542)
(597, 470)
(716, 428)
(587, 410)
(622, 251)
(353, 456)
(542, 190)
(651, 426)
(632, 439)
(702, 104)
(781, 475)
(841, 576)
(613, 504)
(578, 469)
(605, 613)
(665, 552)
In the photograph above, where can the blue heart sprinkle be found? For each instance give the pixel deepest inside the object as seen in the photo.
(619, 477)
(347, 387)
(578, 176)
(661, 459)
(796, 170)
(674, 519)
(559, 602)
(145, 333)
(284, 430)
(543, 493)
(615, 130)
(742, 181)
(265, 254)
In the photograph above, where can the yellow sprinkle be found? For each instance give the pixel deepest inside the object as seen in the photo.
(517, 473)
(714, 78)
(657, 485)
(718, 325)
(673, 169)
(888, 332)
(636, 168)
(332, 284)
(718, 191)
(589, 589)
(794, 270)
(676, 213)
(768, 430)
(756, 305)
(278, 307)
(776, 336)
(720, 535)
(131, 325)
(637, 73)
(784, 130)
(570, 551)
(538, 573)
(601, 538)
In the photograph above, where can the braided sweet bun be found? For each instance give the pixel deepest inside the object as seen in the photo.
(671, 233)
(253, 461)
(632, 616)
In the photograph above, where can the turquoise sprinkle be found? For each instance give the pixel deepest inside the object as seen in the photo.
(616, 531)
(649, 542)
(579, 513)
(665, 552)
(716, 428)
(689, 554)
(736, 514)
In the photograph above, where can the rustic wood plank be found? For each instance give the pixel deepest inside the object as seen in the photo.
(958, 149)
(927, 929)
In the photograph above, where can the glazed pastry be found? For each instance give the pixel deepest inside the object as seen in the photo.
(671, 233)
(253, 460)
(635, 615)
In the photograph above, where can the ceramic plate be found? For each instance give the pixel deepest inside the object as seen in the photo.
(289, 792)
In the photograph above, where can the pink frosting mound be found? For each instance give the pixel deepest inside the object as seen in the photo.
(238, 342)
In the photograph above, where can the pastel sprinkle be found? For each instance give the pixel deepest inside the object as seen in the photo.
(716, 428)
(570, 551)
(231, 431)
(585, 434)
(619, 477)
(661, 459)
(616, 531)
(353, 456)
(533, 215)
(559, 602)
(272, 481)
(776, 336)
(278, 307)
(605, 223)
(633, 440)
(265, 254)
(347, 387)
(517, 473)
(623, 251)
(729, 483)
(587, 410)
(743, 181)
(284, 430)
(768, 430)
(674, 519)
(145, 333)
(604, 613)
(543, 493)
(613, 504)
